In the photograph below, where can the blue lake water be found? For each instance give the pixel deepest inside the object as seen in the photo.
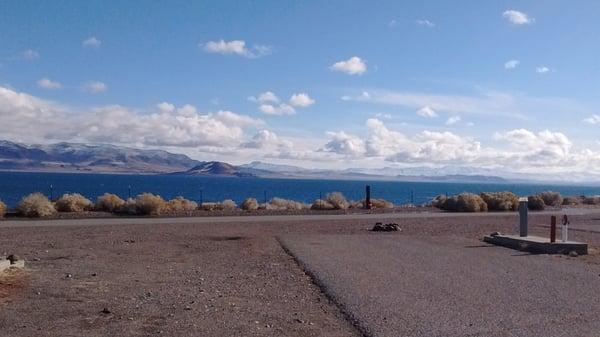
(15, 185)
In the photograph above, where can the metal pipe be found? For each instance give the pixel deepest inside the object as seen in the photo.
(523, 217)
(368, 197)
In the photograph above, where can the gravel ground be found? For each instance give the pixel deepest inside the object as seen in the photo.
(182, 277)
(397, 285)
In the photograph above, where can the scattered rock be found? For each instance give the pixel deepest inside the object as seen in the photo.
(105, 311)
(69, 276)
(573, 253)
(390, 227)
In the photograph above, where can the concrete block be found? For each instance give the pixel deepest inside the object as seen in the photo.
(536, 244)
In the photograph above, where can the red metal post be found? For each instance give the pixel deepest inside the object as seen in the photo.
(553, 229)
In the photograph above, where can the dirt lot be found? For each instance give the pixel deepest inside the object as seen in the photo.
(226, 279)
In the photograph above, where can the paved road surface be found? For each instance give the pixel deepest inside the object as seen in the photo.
(396, 285)
(266, 218)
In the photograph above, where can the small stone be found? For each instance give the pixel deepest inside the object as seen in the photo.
(573, 254)
(105, 311)
(68, 276)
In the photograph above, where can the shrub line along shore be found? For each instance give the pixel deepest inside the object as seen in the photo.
(37, 205)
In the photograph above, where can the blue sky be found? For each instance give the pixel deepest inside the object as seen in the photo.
(428, 83)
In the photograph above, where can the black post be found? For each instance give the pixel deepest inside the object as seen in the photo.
(368, 204)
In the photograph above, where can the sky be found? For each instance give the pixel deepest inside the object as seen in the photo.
(496, 85)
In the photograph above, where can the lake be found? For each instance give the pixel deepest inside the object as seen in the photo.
(15, 185)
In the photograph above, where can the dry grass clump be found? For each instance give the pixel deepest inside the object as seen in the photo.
(109, 202)
(211, 206)
(551, 198)
(321, 204)
(286, 204)
(500, 201)
(593, 200)
(571, 201)
(375, 203)
(74, 203)
(249, 204)
(129, 207)
(2, 209)
(228, 205)
(181, 204)
(36, 205)
(464, 202)
(438, 201)
(148, 204)
(337, 200)
(536, 203)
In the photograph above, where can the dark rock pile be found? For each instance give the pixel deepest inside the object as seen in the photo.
(390, 227)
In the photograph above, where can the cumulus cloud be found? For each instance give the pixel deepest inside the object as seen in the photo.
(453, 120)
(270, 104)
(30, 54)
(517, 18)
(425, 23)
(427, 112)
(30, 119)
(46, 83)
(344, 143)
(91, 42)
(594, 119)
(279, 110)
(236, 47)
(301, 100)
(95, 87)
(511, 64)
(353, 66)
(542, 70)
(268, 140)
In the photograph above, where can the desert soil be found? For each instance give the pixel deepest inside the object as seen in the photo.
(203, 279)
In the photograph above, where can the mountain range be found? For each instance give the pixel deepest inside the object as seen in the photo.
(74, 157)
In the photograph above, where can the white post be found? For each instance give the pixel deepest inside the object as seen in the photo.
(565, 229)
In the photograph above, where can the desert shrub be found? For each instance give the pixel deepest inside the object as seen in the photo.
(109, 202)
(75, 203)
(129, 207)
(321, 204)
(250, 204)
(267, 206)
(229, 204)
(569, 201)
(286, 204)
(439, 201)
(593, 200)
(500, 201)
(535, 203)
(375, 203)
(149, 204)
(551, 198)
(337, 200)
(2, 209)
(181, 204)
(211, 206)
(465, 202)
(36, 205)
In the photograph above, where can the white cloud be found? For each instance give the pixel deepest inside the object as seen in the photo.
(236, 47)
(542, 70)
(511, 64)
(594, 119)
(95, 87)
(266, 97)
(425, 22)
(393, 23)
(517, 18)
(353, 66)
(267, 140)
(301, 100)
(427, 112)
(91, 42)
(30, 55)
(345, 144)
(47, 83)
(30, 119)
(279, 110)
(453, 120)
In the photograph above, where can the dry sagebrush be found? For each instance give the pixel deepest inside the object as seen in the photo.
(250, 204)
(146, 204)
(333, 200)
(73, 203)
(536, 203)
(286, 204)
(500, 201)
(551, 198)
(109, 202)
(464, 202)
(181, 204)
(2, 209)
(36, 205)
